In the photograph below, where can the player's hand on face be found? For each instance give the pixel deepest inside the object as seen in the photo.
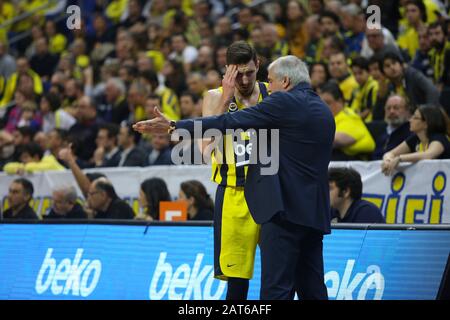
(229, 81)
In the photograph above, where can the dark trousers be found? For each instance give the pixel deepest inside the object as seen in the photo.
(291, 261)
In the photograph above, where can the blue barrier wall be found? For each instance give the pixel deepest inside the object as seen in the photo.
(89, 261)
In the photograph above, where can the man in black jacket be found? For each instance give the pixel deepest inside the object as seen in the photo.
(65, 205)
(345, 198)
(395, 127)
(20, 193)
(103, 199)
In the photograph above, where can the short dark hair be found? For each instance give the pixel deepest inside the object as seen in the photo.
(155, 96)
(194, 97)
(26, 184)
(331, 15)
(94, 176)
(346, 178)
(131, 132)
(240, 52)
(361, 63)
(27, 131)
(54, 101)
(33, 149)
(111, 128)
(390, 56)
(331, 87)
(107, 187)
(438, 24)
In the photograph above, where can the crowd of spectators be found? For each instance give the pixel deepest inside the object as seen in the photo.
(387, 82)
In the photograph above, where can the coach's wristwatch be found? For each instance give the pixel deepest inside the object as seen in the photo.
(172, 126)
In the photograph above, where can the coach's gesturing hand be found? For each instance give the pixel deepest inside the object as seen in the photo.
(159, 124)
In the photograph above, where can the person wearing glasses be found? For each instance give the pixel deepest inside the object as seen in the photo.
(430, 140)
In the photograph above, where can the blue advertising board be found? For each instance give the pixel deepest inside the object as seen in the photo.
(89, 261)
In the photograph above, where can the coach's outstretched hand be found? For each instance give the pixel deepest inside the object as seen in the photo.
(159, 124)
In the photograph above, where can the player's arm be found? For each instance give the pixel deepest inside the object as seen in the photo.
(212, 105)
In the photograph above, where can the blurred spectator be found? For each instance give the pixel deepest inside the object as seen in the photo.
(355, 23)
(56, 141)
(130, 155)
(352, 140)
(102, 198)
(345, 198)
(196, 83)
(422, 60)
(136, 100)
(7, 64)
(319, 74)
(42, 61)
(408, 82)
(169, 100)
(395, 126)
(275, 46)
(416, 16)
(57, 41)
(52, 114)
(223, 35)
(73, 91)
(160, 151)
(296, 34)
(213, 80)
(152, 191)
(314, 46)
(431, 128)
(200, 205)
(6, 148)
(32, 160)
(190, 107)
(19, 196)
(378, 40)
(84, 131)
(175, 78)
(65, 205)
(440, 47)
(134, 14)
(114, 107)
(367, 92)
(24, 79)
(205, 60)
(183, 52)
(107, 153)
(340, 71)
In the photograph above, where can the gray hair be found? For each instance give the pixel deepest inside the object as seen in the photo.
(118, 84)
(292, 68)
(69, 193)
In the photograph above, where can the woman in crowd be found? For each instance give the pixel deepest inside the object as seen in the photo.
(430, 140)
(152, 191)
(200, 205)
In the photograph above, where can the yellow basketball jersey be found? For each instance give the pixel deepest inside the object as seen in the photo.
(229, 171)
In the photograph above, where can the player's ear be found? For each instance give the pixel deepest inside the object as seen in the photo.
(258, 63)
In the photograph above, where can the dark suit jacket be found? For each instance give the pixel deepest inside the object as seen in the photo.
(136, 158)
(299, 191)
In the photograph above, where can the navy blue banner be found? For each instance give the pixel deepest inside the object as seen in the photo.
(76, 261)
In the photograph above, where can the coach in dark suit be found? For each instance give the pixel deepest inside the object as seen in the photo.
(292, 205)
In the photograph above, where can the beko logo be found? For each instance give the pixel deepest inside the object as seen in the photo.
(77, 277)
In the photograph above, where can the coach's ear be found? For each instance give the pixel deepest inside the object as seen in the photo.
(286, 82)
